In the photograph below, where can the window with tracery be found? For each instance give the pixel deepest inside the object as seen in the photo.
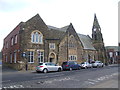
(36, 37)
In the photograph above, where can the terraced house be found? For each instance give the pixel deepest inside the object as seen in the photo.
(32, 42)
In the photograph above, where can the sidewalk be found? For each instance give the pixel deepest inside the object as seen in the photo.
(113, 65)
(8, 70)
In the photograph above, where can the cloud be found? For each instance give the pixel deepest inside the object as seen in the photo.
(12, 5)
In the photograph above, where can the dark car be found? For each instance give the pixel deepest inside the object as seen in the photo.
(70, 65)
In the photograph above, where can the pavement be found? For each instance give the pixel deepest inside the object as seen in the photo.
(9, 70)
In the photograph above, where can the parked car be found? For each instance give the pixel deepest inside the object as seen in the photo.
(86, 65)
(97, 64)
(48, 66)
(70, 65)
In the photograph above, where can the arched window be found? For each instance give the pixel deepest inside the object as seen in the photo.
(72, 41)
(15, 38)
(37, 37)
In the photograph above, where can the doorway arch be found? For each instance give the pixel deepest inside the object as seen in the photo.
(52, 57)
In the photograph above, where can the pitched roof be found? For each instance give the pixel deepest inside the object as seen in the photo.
(55, 34)
(36, 20)
(52, 27)
(86, 41)
(58, 33)
(64, 29)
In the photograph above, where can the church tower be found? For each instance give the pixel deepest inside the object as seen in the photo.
(97, 40)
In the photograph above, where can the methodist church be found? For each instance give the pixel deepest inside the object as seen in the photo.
(33, 41)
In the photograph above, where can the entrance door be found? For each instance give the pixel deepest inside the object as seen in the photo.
(52, 57)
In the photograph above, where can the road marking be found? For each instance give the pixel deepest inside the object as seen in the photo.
(88, 82)
(93, 80)
(101, 78)
(58, 80)
(14, 86)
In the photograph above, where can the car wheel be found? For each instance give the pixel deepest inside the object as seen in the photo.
(70, 69)
(85, 67)
(45, 70)
(97, 66)
(59, 69)
(37, 71)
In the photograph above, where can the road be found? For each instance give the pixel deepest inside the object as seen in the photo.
(84, 78)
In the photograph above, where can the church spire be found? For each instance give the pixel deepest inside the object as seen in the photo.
(96, 25)
(96, 30)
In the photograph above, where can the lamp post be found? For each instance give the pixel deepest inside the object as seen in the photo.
(24, 55)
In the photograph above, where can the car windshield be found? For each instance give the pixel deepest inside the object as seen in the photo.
(40, 63)
(64, 63)
(92, 62)
(82, 63)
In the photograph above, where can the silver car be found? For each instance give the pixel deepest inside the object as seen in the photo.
(48, 66)
(97, 64)
(86, 65)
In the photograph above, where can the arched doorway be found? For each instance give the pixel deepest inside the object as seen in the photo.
(52, 57)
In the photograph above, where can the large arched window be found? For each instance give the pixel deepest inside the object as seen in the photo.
(72, 41)
(37, 37)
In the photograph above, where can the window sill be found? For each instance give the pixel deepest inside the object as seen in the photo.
(36, 43)
(30, 62)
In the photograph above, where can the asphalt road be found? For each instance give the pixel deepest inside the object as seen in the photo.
(84, 78)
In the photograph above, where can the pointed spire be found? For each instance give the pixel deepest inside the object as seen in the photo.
(70, 23)
(95, 22)
(70, 26)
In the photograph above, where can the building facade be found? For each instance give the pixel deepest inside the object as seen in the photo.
(112, 54)
(33, 41)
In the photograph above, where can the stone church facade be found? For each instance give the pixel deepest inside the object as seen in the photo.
(33, 41)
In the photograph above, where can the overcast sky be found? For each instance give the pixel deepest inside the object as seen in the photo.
(60, 13)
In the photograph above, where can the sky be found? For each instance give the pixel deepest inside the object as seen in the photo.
(60, 13)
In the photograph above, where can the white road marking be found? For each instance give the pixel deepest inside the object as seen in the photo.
(15, 86)
(101, 78)
(57, 80)
(93, 80)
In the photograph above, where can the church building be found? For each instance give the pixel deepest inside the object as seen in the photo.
(33, 42)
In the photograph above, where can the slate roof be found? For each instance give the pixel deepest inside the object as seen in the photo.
(55, 33)
(86, 41)
(64, 29)
(52, 27)
(60, 32)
